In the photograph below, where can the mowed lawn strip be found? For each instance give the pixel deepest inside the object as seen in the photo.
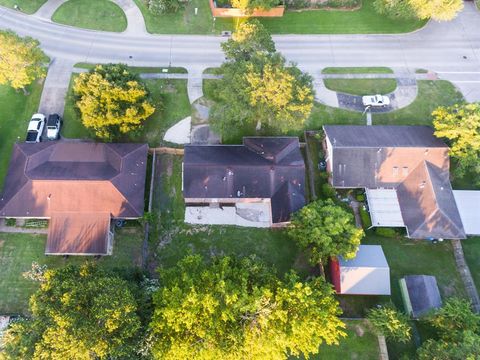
(26, 6)
(431, 94)
(169, 97)
(16, 109)
(102, 15)
(471, 249)
(362, 21)
(357, 70)
(361, 86)
(18, 251)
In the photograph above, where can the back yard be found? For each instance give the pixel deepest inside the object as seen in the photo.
(18, 251)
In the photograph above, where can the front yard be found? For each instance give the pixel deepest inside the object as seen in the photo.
(169, 97)
(16, 109)
(26, 6)
(18, 251)
(362, 21)
(102, 15)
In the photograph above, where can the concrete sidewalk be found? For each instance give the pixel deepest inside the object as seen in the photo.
(47, 10)
(136, 23)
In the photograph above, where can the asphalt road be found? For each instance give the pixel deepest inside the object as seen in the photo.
(452, 49)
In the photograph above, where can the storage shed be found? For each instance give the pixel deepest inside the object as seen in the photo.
(367, 274)
(420, 294)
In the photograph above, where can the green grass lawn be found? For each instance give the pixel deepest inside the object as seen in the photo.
(139, 69)
(102, 15)
(471, 249)
(357, 70)
(171, 102)
(361, 86)
(18, 251)
(431, 94)
(26, 6)
(360, 344)
(362, 21)
(185, 21)
(16, 110)
(173, 239)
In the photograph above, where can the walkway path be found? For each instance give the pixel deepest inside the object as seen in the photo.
(56, 87)
(403, 95)
(47, 10)
(136, 23)
(466, 275)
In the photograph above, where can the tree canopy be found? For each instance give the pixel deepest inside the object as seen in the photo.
(260, 93)
(391, 323)
(159, 7)
(460, 125)
(324, 229)
(250, 38)
(440, 10)
(112, 101)
(238, 309)
(21, 60)
(78, 313)
(458, 329)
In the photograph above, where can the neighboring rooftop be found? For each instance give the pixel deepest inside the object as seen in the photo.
(67, 181)
(382, 136)
(408, 160)
(263, 167)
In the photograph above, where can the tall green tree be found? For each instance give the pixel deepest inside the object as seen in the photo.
(238, 309)
(460, 126)
(324, 229)
(250, 38)
(78, 313)
(112, 101)
(467, 347)
(264, 95)
(21, 60)
(391, 323)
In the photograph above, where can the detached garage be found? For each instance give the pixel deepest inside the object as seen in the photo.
(367, 274)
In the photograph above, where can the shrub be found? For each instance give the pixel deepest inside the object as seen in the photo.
(335, 4)
(10, 222)
(360, 197)
(159, 7)
(386, 232)
(391, 323)
(328, 191)
(366, 221)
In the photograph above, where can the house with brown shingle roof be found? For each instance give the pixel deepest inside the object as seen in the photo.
(259, 183)
(405, 171)
(80, 187)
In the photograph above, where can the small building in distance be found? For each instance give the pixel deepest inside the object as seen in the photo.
(259, 183)
(367, 274)
(420, 294)
(80, 187)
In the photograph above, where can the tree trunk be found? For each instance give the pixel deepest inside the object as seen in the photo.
(259, 125)
(25, 92)
(322, 270)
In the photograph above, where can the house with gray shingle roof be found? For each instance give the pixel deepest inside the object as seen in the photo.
(405, 171)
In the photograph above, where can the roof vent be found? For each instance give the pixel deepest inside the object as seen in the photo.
(422, 184)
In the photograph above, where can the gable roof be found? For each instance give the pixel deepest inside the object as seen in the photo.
(423, 294)
(382, 136)
(263, 167)
(75, 176)
(428, 206)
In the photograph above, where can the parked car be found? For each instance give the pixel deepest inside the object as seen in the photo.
(54, 123)
(375, 100)
(35, 128)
